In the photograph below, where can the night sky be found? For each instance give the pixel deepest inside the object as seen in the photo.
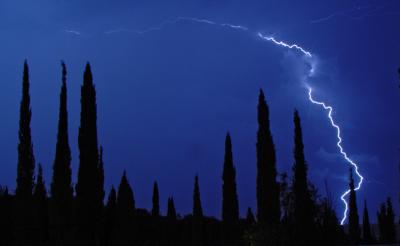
(167, 96)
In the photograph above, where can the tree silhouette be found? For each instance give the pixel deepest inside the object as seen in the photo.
(303, 206)
(390, 224)
(61, 188)
(197, 219)
(125, 213)
(331, 231)
(230, 204)
(40, 210)
(382, 223)
(110, 218)
(155, 211)
(250, 219)
(88, 190)
(172, 229)
(367, 236)
(354, 228)
(268, 206)
(171, 212)
(25, 167)
(30, 218)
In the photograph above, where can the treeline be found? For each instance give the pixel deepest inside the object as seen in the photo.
(289, 212)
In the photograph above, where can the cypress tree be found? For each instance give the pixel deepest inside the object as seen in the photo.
(367, 236)
(230, 206)
(110, 217)
(125, 213)
(25, 167)
(155, 211)
(250, 220)
(171, 212)
(88, 189)
(382, 215)
(303, 206)
(156, 222)
(40, 210)
(354, 229)
(268, 206)
(390, 224)
(197, 220)
(61, 188)
(172, 228)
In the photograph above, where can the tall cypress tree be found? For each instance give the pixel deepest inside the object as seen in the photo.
(303, 206)
(354, 228)
(25, 167)
(268, 206)
(390, 224)
(171, 211)
(367, 236)
(155, 211)
(172, 228)
(40, 210)
(125, 213)
(197, 220)
(382, 223)
(61, 187)
(156, 222)
(88, 189)
(230, 204)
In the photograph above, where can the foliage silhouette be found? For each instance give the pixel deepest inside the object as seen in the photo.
(61, 186)
(230, 204)
(289, 212)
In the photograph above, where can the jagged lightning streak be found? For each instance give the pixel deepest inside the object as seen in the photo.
(281, 43)
(175, 21)
(334, 125)
(342, 152)
(285, 45)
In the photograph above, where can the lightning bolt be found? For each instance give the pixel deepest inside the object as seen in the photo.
(74, 32)
(342, 152)
(279, 43)
(177, 20)
(334, 125)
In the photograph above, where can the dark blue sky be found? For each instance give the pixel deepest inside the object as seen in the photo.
(166, 98)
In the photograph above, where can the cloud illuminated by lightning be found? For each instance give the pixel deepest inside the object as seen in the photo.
(285, 45)
(339, 145)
